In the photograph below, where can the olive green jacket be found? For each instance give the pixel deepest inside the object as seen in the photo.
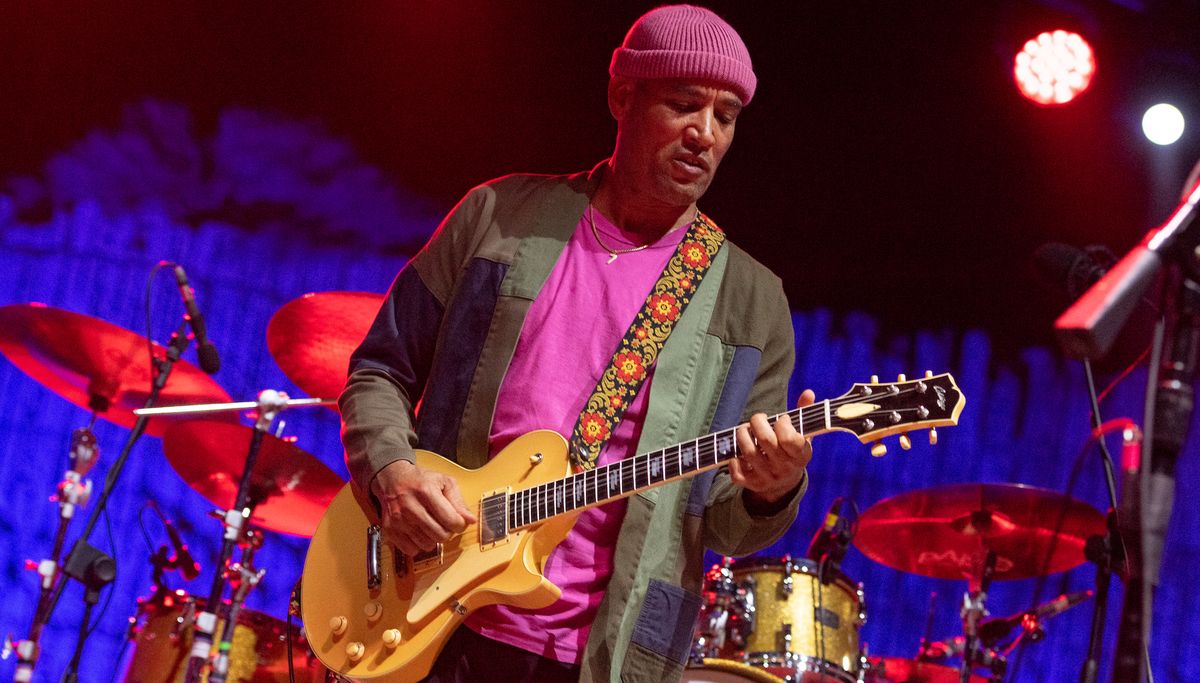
(446, 333)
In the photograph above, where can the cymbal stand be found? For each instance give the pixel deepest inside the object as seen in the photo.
(269, 405)
(973, 610)
(242, 577)
(73, 493)
(1102, 551)
(85, 562)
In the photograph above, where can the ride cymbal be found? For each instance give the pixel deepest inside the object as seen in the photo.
(311, 338)
(946, 532)
(97, 365)
(289, 488)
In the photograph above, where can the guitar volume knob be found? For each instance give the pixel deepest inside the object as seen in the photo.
(391, 638)
(355, 651)
(373, 610)
(338, 625)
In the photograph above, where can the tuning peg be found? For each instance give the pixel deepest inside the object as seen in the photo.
(874, 379)
(878, 449)
(901, 378)
(905, 442)
(933, 436)
(928, 374)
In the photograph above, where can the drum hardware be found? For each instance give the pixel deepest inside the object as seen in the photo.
(983, 533)
(236, 519)
(72, 493)
(85, 563)
(972, 611)
(242, 577)
(775, 615)
(100, 366)
(162, 633)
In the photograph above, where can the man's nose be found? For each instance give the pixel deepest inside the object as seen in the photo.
(699, 134)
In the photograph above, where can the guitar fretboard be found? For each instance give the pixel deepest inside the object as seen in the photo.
(628, 476)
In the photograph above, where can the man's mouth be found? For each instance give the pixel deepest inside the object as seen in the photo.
(690, 164)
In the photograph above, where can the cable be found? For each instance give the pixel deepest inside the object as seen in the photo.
(142, 523)
(149, 326)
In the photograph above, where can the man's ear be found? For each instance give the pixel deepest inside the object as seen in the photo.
(620, 95)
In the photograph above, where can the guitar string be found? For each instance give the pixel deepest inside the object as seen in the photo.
(530, 504)
(527, 504)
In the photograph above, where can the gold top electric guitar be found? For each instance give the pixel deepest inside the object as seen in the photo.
(372, 612)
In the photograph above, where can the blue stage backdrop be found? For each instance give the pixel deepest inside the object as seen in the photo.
(262, 210)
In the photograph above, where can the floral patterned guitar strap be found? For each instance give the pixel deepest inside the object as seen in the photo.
(639, 348)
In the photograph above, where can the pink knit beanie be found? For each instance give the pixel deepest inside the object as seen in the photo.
(684, 41)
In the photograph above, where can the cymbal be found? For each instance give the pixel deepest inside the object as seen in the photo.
(289, 488)
(97, 365)
(312, 337)
(945, 532)
(901, 670)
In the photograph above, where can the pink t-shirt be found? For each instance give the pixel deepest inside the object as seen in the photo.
(569, 336)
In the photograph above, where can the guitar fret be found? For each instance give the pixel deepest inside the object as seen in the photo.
(655, 469)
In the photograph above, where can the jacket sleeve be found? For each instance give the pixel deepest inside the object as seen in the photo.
(388, 370)
(730, 528)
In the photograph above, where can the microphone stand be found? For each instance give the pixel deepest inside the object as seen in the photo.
(73, 494)
(1168, 420)
(85, 562)
(270, 403)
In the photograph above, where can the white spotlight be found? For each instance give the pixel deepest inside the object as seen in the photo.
(1162, 124)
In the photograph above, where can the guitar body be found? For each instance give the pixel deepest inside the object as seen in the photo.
(423, 599)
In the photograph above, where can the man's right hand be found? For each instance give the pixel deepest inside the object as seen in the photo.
(421, 508)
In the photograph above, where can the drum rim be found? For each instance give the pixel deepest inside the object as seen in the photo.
(802, 662)
(770, 562)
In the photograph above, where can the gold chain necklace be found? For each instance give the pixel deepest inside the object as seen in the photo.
(612, 253)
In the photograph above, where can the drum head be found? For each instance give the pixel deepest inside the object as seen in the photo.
(727, 671)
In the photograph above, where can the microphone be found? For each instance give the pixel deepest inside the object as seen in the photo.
(830, 543)
(1071, 269)
(1089, 326)
(210, 362)
(187, 565)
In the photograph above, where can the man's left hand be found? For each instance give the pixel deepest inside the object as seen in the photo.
(771, 459)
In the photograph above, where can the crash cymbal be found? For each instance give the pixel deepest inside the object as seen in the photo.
(901, 670)
(97, 365)
(945, 532)
(311, 338)
(289, 489)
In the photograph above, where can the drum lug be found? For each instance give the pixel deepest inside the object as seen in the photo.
(862, 604)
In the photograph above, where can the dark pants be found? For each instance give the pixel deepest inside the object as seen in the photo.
(469, 657)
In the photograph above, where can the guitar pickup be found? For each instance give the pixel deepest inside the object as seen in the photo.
(493, 519)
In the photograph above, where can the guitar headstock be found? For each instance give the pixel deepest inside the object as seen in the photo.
(875, 409)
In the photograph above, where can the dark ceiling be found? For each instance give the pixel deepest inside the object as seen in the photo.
(887, 163)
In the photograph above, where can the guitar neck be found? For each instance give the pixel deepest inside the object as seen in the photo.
(648, 470)
(870, 411)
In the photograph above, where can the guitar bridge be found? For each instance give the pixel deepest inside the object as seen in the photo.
(427, 558)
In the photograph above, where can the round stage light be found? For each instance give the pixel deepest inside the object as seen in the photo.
(1054, 68)
(1163, 124)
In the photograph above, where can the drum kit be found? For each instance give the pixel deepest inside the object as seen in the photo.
(770, 620)
(785, 619)
(259, 481)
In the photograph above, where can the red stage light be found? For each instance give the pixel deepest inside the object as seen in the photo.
(1055, 67)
